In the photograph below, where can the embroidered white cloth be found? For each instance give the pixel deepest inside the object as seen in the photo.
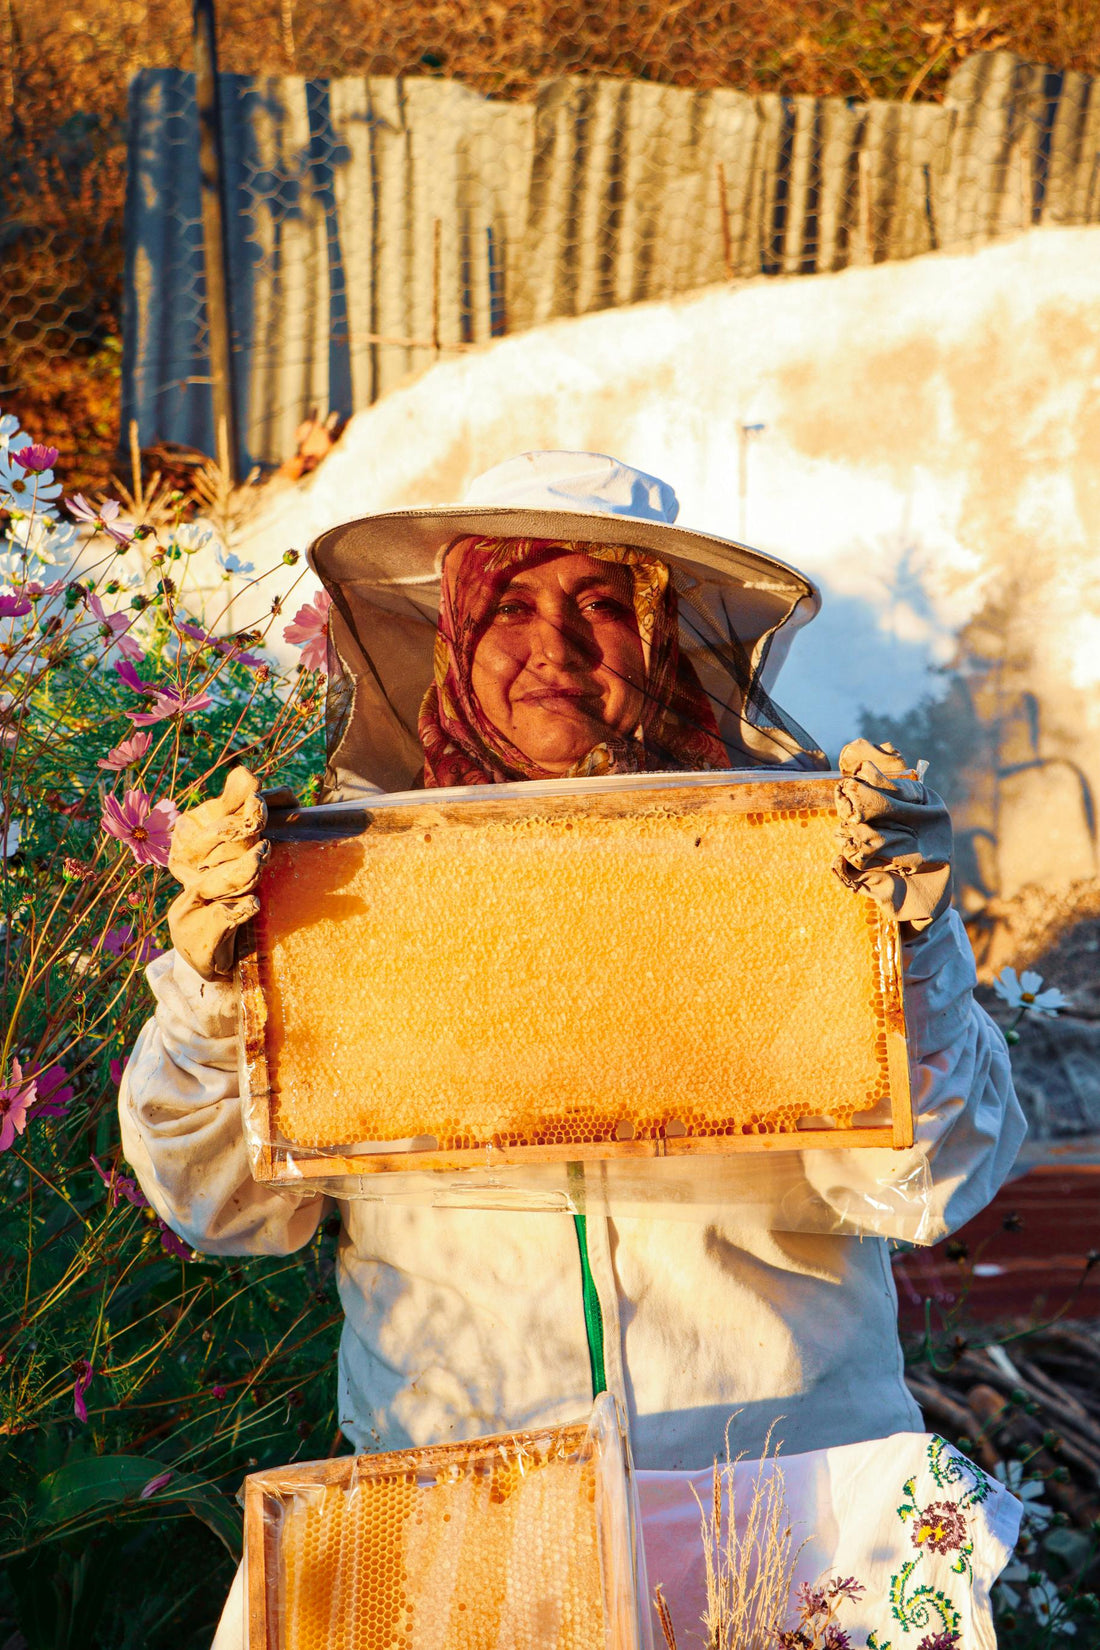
(924, 1531)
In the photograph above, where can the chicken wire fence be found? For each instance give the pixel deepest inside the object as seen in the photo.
(404, 180)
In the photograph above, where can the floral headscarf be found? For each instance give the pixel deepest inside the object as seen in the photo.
(461, 746)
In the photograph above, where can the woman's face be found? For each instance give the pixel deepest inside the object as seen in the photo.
(560, 666)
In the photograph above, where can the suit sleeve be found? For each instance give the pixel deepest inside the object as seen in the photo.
(182, 1128)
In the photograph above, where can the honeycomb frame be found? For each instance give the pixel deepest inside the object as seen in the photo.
(356, 1546)
(705, 806)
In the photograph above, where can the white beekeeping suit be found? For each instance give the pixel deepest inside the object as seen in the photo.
(464, 1322)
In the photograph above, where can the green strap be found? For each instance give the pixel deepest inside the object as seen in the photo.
(593, 1317)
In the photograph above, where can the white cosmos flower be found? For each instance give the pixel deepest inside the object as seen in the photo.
(231, 563)
(194, 535)
(25, 490)
(48, 541)
(1023, 992)
(1008, 1583)
(1036, 1514)
(10, 433)
(1049, 1607)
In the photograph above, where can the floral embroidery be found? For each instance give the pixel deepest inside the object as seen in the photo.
(914, 1609)
(942, 1528)
(938, 1528)
(930, 1615)
(948, 1468)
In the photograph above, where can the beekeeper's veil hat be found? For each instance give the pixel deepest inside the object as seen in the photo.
(738, 609)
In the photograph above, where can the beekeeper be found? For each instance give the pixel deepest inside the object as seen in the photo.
(559, 623)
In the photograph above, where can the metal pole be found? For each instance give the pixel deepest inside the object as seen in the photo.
(215, 249)
(744, 431)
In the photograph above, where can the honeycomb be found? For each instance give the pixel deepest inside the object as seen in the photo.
(455, 1548)
(573, 976)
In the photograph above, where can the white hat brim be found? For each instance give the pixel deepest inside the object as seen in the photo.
(402, 548)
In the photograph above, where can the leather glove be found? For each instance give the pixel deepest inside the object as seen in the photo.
(895, 835)
(217, 853)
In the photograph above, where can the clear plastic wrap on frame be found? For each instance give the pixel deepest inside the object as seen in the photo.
(645, 994)
(525, 1538)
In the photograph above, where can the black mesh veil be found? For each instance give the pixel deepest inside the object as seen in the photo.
(737, 610)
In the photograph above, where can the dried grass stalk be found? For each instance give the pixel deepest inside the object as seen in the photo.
(749, 1570)
(664, 1616)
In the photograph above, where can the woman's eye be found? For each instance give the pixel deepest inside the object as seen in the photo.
(604, 607)
(509, 610)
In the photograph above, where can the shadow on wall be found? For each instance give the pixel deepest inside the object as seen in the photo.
(854, 663)
(1024, 808)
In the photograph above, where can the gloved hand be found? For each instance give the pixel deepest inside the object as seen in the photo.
(217, 853)
(895, 835)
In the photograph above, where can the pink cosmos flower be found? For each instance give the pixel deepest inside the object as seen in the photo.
(230, 649)
(128, 647)
(9, 727)
(129, 677)
(167, 703)
(127, 753)
(309, 631)
(104, 520)
(235, 656)
(120, 1185)
(120, 941)
(117, 1067)
(145, 828)
(55, 1093)
(84, 1373)
(156, 1484)
(171, 1244)
(13, 606)
(37, 457)
(15, 1099)
(114, 627)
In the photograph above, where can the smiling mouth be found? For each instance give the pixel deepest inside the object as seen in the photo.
(572, 696)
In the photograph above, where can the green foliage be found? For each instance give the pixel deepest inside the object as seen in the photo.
(138, 1382)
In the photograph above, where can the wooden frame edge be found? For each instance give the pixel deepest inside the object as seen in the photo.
(257, 1101)
(255, 1566)
(287, 1169)
(897, 1048)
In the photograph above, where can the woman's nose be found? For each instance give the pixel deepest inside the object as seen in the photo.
(557, 644)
